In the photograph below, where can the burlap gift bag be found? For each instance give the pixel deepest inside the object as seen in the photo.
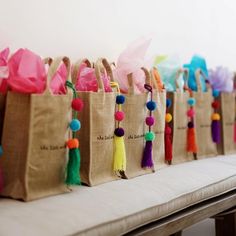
(97, 132)
(34, 142)
(180, 130)
(159, 96)
(227, 108)
(134, 125)
(2, 112)
(206, 146)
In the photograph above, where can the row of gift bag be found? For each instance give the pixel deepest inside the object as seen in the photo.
(52, 141)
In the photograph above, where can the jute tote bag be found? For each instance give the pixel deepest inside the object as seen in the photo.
(97, 133)
(180, 109)
(135, 128)
(206, 146)
(159, 96)
(34, 141)
(227, 113)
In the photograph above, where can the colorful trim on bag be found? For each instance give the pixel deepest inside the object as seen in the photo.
(168, 133)
(73, 166)
(119, 156)
(147, 160)
(215, 117)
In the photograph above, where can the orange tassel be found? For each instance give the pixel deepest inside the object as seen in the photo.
(191, 140)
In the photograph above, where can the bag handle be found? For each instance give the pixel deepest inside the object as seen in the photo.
(54, 67)
(154, 73)
(104, 62)
(185, 72)
(77, 66)
(199, 73)
(131, 81)
(47, 60)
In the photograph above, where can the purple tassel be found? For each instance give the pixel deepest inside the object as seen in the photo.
(147, 155)
(215, 131)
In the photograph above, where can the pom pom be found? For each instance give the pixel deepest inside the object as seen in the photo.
(119, 115)
(151, 105)
(168, 117)
(191, 113)
(150, 120)
(190, 124)
(215, 104)
(191, 101)
(168, 102)
(75, 125)
(149, 136)
(215, 116)
(215, 93)
(119, 132)
(77, 104)
(120, 99)
(73, 143)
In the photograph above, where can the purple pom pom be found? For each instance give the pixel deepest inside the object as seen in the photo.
(190, 124)
(150, 120)
(119, 132)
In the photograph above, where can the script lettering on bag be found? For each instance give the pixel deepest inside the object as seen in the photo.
(105, 137)
(205, 126)
(181, 127)
(52, 147)
(135, 136)
(229, 123)
(159, 132)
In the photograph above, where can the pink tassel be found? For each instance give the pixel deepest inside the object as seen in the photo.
(168, 144)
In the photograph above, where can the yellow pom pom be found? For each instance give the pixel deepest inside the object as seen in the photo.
(168, 117)
(215, 116)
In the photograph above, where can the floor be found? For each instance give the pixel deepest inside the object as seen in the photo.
(203, 228)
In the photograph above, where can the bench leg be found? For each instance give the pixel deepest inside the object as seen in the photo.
(177, 234)
(226, 225)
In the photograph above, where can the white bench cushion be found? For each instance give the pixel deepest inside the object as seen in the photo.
(119, 206)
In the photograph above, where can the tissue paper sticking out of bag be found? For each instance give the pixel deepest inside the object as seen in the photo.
(4, 54)
(87, 81)
(167, 67)
(221, 79)
(131, 60)
(197, 62)
(27, 72)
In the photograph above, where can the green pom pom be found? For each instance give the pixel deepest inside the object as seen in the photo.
(149, 136)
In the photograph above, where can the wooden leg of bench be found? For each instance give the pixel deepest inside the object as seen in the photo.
(177, 234)
(226, 225)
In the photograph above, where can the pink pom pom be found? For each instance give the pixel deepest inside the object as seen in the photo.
(191, 113)
(150, 120)
(119, 115)
(77, 104)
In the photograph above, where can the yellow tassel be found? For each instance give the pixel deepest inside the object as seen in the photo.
(119, 154)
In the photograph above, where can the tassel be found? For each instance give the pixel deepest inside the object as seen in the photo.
(1, 180)
(73, 166)
(119, 154)
(168, 144)
(191, 138)
(147, 161)
(215, 130)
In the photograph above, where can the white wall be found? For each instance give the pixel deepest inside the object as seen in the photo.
(93, 28)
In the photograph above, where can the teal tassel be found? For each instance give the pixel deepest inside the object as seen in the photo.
(73, 167)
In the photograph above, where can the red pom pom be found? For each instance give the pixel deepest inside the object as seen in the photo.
(215, 104)
(119, 115)
(77, 104)
(191, 113)
(73, 143)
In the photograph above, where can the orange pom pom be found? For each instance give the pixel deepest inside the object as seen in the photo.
(73, 143)
(168, 118)
(215, 116)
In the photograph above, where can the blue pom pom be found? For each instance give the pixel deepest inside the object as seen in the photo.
(1, 151)
(120, 99)
(215, 93)
(168, 102)
(191, 101)
(151, 105)
(75, 125)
